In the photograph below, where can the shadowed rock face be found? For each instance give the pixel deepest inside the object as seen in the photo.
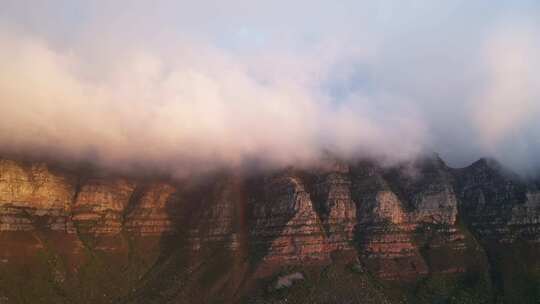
(499, 205)
(286, 223)
(416, 220)
(337, 209)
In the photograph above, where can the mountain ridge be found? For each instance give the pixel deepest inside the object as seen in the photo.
(104, 238)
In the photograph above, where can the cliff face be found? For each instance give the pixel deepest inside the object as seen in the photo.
(500, 207)
(405, 210)
(286, 223)
(99, 205)
(33, 197)
(418, 220)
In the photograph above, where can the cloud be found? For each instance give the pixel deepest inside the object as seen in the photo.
(131, 87)
(508, 107)
(199, 108)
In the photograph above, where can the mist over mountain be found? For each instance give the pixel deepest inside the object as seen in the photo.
(269, 152)
(198, 87)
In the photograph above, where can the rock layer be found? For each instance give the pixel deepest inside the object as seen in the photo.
(99, 206)
(403, 210)
(499, 205)
(34, 197)
(285, 224)
(405, 222)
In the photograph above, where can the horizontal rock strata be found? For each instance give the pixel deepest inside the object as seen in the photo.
(393, 219)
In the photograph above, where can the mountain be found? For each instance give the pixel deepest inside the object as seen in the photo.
(359, 232)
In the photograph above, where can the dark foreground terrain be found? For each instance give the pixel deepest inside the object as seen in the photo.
(420, 232)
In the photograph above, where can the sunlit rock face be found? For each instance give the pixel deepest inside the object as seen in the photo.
(414, 220)
(34, 197)
(404, 209)
(290, 216)
(304, 216)
(99, 205)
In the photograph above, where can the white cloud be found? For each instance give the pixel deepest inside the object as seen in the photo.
(148, 87)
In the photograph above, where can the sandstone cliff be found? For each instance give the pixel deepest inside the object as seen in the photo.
(224, 236)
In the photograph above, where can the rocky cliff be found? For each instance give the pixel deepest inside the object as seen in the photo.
(418, 231)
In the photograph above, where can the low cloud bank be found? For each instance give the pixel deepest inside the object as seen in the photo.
(189, 106)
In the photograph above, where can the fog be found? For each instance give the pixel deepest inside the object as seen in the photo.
(190, 88)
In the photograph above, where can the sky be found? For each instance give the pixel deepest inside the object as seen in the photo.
(196, 86)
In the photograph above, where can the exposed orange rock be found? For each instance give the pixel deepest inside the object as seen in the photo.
(34, 197)
(384, 217)
(100, 204)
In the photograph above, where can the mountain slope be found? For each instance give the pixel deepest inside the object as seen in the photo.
(418, 232)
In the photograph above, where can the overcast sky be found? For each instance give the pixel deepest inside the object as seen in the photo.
(195, 85)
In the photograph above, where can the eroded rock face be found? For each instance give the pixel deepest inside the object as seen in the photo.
(99, 205)
(499, 205)
(285, 224)
(152, 209)
(34, 197)
(305, 216)
(400, 223)
(402, 210)
(219, 219)
(337, 210)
